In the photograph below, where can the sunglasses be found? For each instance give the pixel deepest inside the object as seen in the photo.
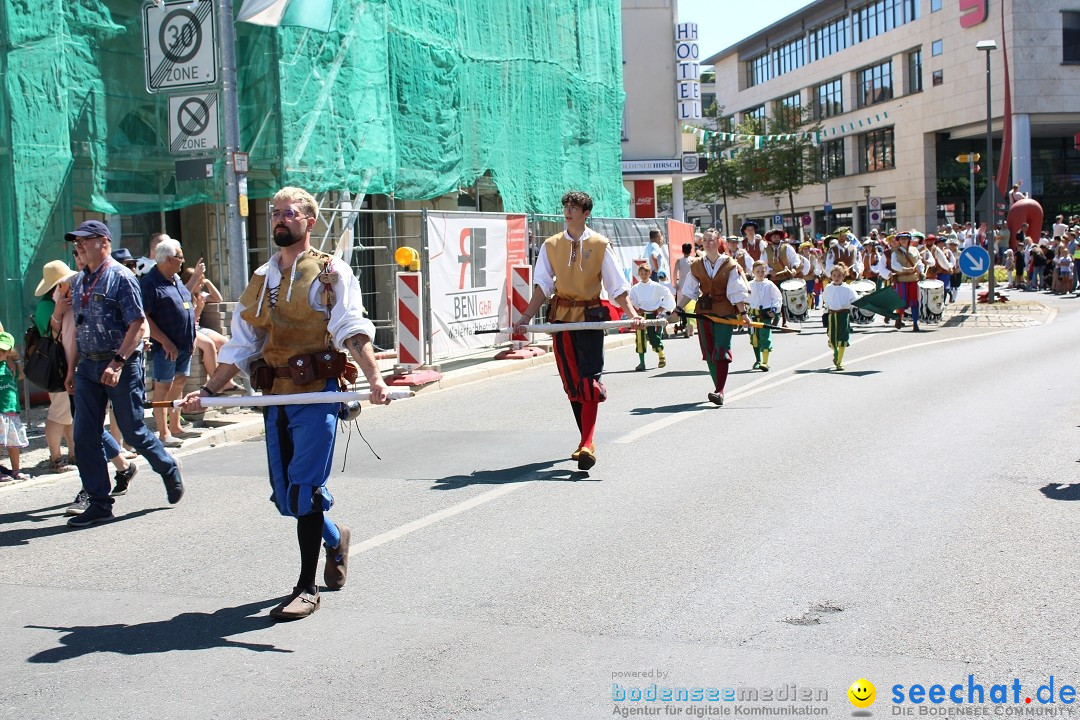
(289, 214)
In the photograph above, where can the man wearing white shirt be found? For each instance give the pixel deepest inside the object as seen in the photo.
(574, 266)
(719, 285)
(1060, 228)
(844, 251)
(300, 310)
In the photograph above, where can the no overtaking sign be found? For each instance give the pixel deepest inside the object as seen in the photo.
(179, 44)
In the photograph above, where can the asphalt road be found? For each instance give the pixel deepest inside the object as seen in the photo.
(909, 521)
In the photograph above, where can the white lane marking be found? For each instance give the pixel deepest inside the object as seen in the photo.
(435, 517)
(759, 386)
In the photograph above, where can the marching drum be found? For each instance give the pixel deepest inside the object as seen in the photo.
(795, 301)
(931, 300)
(862, 288)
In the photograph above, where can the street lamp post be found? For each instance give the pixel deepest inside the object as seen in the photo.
(866, 194)
(989, 46)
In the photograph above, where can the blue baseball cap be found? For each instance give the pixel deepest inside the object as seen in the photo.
(90, 228)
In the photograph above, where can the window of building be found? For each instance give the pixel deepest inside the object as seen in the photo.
(830, 160)
(726, 123)
(828, 39)
(828, 99)
(935, 5)
(877, 150)
(936, 48)
(789, 56)
(1070, 37)
(757, 115)
(875, 84)
(938, 77)
(881, 16)
(757, 70)
(914, 79)
(793, 101)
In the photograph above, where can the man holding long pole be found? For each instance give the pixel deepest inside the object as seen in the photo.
(573, 266)
(295, 316)
(720, 286)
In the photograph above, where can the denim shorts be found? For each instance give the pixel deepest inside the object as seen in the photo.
(165, 369)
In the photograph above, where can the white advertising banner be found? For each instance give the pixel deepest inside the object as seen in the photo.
(468, 260)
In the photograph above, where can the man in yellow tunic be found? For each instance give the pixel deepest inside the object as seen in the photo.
(573, 266)
(291, 324)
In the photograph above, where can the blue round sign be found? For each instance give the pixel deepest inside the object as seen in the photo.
(974, 261)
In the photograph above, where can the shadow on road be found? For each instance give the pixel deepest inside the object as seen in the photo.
(838, 373)
(682, 407)
(21, 536)
(544, 471)
(1057, 491)
(186, 631)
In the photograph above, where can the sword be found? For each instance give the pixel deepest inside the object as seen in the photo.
(741, 323)
(563, 327)
(313, 398)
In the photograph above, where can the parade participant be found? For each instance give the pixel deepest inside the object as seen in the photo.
(574, 266)
(836, 299)
(811, 270)
(292, 324)
(109, 324)
(734, 245)
(957, 276)
(765, 304)
(906, 267)
(681, 270)
(752, 242)
(844, 251)
(877, 265)
(943, 263)
(781, 261)
(724, 294)
(651, 300)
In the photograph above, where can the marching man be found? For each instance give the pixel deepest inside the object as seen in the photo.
(718, 284)
(573, 266)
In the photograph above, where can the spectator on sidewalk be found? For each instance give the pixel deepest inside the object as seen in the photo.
(109, 322)
(207, 341)
(55, 293)
(171, 311)
(12, 432)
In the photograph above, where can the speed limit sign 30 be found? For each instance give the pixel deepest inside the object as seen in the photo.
(180, 45)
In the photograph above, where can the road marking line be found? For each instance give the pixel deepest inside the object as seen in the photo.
(411, 527)
(759, 386)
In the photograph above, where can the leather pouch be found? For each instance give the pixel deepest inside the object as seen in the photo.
(302, 369)
(262, 376)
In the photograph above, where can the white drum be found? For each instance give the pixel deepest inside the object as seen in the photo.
(931, 300)
(858, 315)
(795, 301)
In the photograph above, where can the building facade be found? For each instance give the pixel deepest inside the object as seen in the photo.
(900, 89)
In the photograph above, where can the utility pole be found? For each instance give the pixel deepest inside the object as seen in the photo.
(235, 230)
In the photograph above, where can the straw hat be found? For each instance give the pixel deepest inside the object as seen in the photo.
(55, 271)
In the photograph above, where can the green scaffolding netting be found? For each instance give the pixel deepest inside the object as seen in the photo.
(411, 97)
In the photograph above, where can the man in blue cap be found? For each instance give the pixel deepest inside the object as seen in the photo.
(108, 310)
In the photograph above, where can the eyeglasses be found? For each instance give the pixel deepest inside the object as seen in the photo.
(289, 214)
(178, 257)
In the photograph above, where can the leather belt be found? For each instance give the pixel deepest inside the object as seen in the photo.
(99, 356)
(567, 302)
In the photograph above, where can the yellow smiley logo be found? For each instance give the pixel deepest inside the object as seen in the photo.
(862, 693)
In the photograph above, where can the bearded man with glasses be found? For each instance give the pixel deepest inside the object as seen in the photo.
(107, 305)
(292, 326)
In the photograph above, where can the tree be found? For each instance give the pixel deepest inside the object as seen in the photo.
(784, 160)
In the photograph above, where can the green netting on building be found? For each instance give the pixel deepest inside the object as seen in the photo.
(411, 97)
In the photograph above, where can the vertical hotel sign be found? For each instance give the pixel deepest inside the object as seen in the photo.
(687, 71)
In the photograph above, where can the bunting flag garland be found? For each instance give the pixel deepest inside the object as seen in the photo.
(757, 141)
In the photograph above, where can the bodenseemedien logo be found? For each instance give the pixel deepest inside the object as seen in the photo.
(862, 693)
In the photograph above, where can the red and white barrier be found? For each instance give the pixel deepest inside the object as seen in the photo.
(520, 294)
(410, 334)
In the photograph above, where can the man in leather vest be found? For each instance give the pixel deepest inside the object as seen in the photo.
(300, 310)
(720, 287)
(572, 268)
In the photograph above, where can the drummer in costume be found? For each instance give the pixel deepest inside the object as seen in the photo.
(752, 242)
(844, 251)
(573, 266)
(836, 299)
(781, 261)
(877, 265)
(291, 324)
(953, 246)
(943, 262)
(810, 270)
(651, 300)
(765, 303)
(907, 268)
(735, 250)
(723, 292)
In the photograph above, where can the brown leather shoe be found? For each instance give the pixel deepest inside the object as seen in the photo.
(586, 458)
(575, 455)
(298, 605)
(334, 572)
